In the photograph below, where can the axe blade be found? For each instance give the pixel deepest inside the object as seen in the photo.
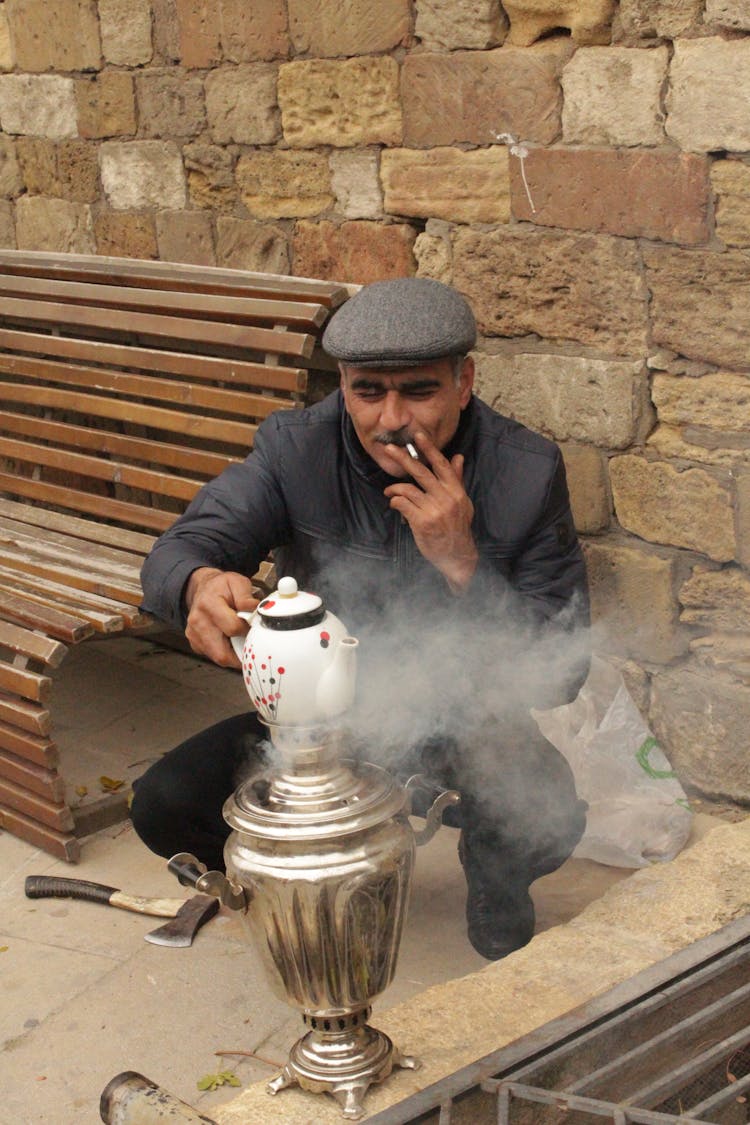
(180, 930)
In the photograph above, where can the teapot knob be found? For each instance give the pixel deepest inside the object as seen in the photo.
(287, 587)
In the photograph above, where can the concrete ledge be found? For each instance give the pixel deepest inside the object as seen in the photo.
(654, 913)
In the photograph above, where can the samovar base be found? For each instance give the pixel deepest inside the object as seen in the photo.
(342, 1056)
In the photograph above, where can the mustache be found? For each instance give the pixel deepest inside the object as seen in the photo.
(400, 437)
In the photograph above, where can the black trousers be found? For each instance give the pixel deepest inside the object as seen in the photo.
(519, 811)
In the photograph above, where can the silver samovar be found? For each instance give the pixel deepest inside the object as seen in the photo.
(319, 860)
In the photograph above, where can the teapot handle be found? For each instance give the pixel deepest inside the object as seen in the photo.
(238, 643)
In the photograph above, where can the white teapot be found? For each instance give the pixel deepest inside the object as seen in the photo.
(298, 661)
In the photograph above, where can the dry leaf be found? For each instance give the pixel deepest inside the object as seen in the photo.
(82, 790)
(111, 784)
(223, 1078)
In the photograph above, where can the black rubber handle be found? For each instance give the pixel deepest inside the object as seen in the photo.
(187, 868)
(54, 886)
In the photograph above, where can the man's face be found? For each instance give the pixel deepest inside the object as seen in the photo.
(391, 405)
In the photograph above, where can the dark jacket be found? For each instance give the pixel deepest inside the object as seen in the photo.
(310, 492)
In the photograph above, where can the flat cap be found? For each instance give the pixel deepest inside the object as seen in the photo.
(401, 323)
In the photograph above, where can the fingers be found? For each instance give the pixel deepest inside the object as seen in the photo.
(214, 598)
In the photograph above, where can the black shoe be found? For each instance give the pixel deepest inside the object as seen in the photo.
(500, 915)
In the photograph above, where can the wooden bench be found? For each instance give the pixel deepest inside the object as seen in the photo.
(124, 386)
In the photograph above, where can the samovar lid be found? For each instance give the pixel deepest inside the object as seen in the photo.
(291, 608)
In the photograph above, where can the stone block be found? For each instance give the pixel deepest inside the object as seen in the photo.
(165, 31)
(719, 401)
(340, 103)
(39, 105)
(568, 398)
(54, 224)
(7, 226)
(245, 245)
(106, 105)
(730, 180)
(63, 35)
(68, 169)
(638, 194)
(126, 31)
(717, 599)
(122, 235)
(448, 25)
(433, 254)
(701, 718)
(587, 484)
(648, 19)
(447, 183)
(170, 104)
(587, 20)
(211, 181)
(185, 236)
(612, 96)
(281, 184)
(7, 55)
(11, 177)
(142, 174)
(479, 97)
(707, 447)
(709, 90)
(357, 251)
(37, 158)
(586, 288)
(633, 603)
(729, 13)
(330, 28)
(211, 31)
(700, 302)
(241, 105)
(661, 504)
(743, 518)
(355, 183)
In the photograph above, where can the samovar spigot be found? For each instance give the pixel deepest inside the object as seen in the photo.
(190, 872)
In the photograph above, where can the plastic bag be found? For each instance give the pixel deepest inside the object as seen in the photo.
(638, 812)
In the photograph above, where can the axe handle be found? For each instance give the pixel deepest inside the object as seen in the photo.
(55, 886)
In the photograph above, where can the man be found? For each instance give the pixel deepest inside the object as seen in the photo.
(400, 499)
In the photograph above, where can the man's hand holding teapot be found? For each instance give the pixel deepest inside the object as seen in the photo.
(213, 598)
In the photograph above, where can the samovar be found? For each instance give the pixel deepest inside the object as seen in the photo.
(319, 862)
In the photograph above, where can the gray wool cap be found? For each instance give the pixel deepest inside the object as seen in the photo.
(401, 323)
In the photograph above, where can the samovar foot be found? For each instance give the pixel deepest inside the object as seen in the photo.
(406, 1062)
(280, 1081)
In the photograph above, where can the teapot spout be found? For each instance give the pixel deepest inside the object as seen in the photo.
(337, 684)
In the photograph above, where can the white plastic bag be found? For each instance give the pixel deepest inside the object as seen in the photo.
(638, 812)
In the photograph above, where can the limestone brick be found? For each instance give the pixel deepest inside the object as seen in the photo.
(719, 401)
(587, 20)
(633, 602)
(142, 174)
(170, 104)
(743, 518)
(327, 28)
(612, 96)
(700, 302)
(340, 103)
(587, 484)
(7, 226)
(7, 56)
(122, 235)
(354, 178)
(63, 35)
(433, 254)
(447, 183)
(54, 224)
(448, 25)
(357, 251)
(730, 180)
(729, 13)
(37, 158)
(477, 97)
(281, 184)
(78, 171)
(126, 31)
(106, 105)
(709, 89)
(661, 504)
(647, 19)
(241, 104)
(11, 178)
(706, 447)
(242, 244)
(725, 652)
(639, 194)
(717, 599)
(40, 105)
(568, 398)
(165, 31)
(211, 179)
(702, 719)
(586, 288)
(211, 31)
(185, 236)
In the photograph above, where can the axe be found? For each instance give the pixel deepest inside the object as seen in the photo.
(187, 915)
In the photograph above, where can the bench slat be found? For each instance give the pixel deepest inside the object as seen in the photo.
(134, 514)
(29, 685)
(41, 836)
(106, 614)
(33, 645)
(30, 747)
(44, 782)
(64, 626)
(132, 541)
(101, 622)
(27, 716)
(57, 816)
(92, 581)
(106, 560)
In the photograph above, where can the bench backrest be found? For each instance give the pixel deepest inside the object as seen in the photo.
(125, 385)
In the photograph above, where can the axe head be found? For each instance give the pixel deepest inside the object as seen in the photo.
(180, 930)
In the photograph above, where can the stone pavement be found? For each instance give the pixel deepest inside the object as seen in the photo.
(84, 997)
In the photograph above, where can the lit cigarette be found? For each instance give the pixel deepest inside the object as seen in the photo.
(412, 451)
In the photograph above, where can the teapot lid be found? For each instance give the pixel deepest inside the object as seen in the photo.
(291, 608)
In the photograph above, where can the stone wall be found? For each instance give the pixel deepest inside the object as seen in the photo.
(579, 169)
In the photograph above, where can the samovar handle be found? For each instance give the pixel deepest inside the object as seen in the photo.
(434, 815)
(190, 872)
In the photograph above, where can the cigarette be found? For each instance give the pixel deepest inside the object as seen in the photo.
(412, 451)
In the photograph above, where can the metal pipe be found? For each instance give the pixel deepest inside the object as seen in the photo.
(131, 1099)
